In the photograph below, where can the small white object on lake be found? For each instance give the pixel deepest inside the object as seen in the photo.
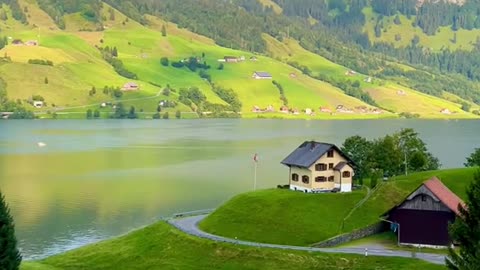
(41, 144)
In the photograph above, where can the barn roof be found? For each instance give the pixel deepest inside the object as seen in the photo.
(308, 153)
(439, 190)
(445, 195)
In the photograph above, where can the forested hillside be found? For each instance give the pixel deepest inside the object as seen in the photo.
(374, 61)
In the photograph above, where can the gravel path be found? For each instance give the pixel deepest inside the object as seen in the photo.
(189, 225)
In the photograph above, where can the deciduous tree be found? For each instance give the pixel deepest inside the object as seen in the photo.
(474, 159)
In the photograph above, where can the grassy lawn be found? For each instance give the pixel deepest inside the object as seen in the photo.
(282, 216)
(287, 217)
(160, 246)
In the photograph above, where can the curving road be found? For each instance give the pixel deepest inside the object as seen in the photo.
(189, 225)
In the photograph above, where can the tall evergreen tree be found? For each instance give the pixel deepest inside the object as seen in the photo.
(10, 257)
(466, 231)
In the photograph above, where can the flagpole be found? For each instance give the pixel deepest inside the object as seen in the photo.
(255, 178)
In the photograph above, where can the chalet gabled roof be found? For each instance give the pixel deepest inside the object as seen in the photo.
(309, 152)
(445, 195)
(340, 166)
(440, 192)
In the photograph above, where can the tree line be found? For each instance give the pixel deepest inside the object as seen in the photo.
(400, 153)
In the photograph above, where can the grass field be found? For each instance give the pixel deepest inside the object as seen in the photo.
(287, 217)
(160, 246)
(385, 94)
(403, 99)
(282, 216)
(442, 39)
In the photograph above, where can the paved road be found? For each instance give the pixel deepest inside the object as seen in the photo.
(189, 225)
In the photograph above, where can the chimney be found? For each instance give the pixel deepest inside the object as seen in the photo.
(312, 145)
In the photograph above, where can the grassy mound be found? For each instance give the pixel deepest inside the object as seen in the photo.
(160, 246)
(282, 216)
(286, 217)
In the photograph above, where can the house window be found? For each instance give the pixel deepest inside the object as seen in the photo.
(330, 166)
(305, 179)
(321, 179)
(330, 154)
(321, 167)
(424, 198)
(295, 177)
(346, 174)
(331, 178)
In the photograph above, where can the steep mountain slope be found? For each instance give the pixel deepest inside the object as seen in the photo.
(157, 55)
(387, 94)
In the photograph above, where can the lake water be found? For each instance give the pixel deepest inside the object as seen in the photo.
(98, 179)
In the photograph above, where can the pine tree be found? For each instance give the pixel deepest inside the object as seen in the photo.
(10, 257)
(466, 231)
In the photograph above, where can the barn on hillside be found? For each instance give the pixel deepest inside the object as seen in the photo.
(422, 219)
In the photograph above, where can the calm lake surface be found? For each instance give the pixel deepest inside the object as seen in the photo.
(98, 179)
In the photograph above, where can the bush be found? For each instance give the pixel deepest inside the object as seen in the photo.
(178, 64)
(164, 61)
(165, 115)
(37, 98)
(204, 75)
(40, 62)
(466, 107)
(89, 114)
(178, 114)
(117, 93)
(156, 116)
(166, 92)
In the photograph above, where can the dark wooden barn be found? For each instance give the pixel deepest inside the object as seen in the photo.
(422, 219)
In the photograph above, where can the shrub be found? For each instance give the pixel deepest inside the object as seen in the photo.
(165, 115)
(40, 62)
(164, 61)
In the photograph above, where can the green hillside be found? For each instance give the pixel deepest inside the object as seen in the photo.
(79, 66)
(287, 217)
(387, 94)
(160, 246)
(401, 35)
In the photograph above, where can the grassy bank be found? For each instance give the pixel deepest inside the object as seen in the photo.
(160, 246)
(287, 217)
(282, 216)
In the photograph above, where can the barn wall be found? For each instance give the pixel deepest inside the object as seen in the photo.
(423, 226)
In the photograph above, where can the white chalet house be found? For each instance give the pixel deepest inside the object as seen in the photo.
(319, 167)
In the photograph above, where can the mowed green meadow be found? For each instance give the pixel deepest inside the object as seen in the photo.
(160, 246)
(295, 218)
